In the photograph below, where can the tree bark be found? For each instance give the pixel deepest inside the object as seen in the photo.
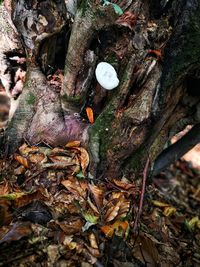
(157, 60)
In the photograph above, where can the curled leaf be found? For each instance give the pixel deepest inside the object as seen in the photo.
(73, 144)
(160, 204)
(25, 149)
(97, 193)
(37, 158)
(23, 161)
(93, 241)
(76, 187)
(83, 157)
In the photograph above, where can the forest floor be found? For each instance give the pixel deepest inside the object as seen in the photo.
(53, 213)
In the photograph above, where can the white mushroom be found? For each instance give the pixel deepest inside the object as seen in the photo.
(106, 76)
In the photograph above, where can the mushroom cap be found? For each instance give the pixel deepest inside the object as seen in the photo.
(106, 76)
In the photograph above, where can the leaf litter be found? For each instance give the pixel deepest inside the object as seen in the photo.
(53, 213)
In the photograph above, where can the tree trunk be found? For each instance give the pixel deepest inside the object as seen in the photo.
(154, 47)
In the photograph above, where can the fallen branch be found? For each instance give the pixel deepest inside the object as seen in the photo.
(177, 150)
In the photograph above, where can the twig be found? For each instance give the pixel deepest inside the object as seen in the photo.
(145, 174)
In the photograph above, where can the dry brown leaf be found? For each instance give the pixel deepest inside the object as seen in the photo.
(25, 149)
(23, 161)
(76, 187)
(57, 165)
(145, 249)
(71, 226)
(93, 251)
(117, 207)
(4, 188)
(92, 206)
(124, 209)
(5, 212)
(112, 211)
(93, 241)
(17, 231)
(21, 169)
(28, 198)
(84, 158)
(97, 193)
(116, 195)
(62, 159)
(128, 19)
(123, 185)
(37, 158)
(73, 144)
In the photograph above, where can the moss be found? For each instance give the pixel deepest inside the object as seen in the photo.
(102, 128)
(76, 100)
(135, 163)
(83, 7)
(31, 99)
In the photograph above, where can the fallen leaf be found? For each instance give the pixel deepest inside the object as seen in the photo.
(4, 188)
(192, 223)
(80, 175)
(123, 185)
(92, 206)
(93, 241)
(119, 228)
(117, 207)
(90, 218)
(76, 187)
(53, 254)
(12, 196)
(71, 226)
(159, 204)
(73, 144)
(169, 211)
(37, 158)
(27, 198)
(18, 230)
(128, 19)
(57, 165)
(145, 250)
(5, 213)
(90, 114)
(23, 161)
(112, 211)
(62, 160)
(25, 149)
(84, 158)
(97, 194)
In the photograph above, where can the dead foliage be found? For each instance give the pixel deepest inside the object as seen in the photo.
(53, 212)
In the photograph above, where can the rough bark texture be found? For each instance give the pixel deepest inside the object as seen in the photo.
(155, 97)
